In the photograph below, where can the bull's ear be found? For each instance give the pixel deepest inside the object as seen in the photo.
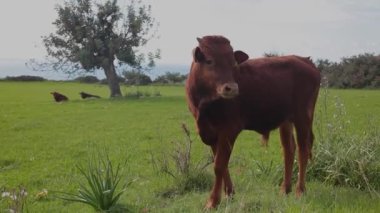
(240, 56)
(198, 55)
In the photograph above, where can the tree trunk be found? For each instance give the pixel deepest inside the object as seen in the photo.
(113, 82)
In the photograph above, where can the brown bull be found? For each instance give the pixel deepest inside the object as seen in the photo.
(228, 93)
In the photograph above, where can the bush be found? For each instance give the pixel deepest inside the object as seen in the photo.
(24, 78)
(178, 164)
(170, 78)
(136, 78)
(87, 79)
(361, 71)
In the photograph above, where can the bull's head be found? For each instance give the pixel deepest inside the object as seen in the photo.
(217, 63)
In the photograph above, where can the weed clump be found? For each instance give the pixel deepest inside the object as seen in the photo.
(343, 158)
(15, 199)
(179, 165)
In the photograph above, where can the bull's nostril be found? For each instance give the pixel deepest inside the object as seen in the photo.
(228, 90)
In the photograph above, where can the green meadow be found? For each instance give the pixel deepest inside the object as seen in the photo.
(42, 142)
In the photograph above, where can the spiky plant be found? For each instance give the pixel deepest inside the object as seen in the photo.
(101, 187)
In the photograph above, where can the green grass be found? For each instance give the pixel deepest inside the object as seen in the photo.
(41, 142)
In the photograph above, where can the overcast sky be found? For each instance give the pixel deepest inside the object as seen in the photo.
(328, 29)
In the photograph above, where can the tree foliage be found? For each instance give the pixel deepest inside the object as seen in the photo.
(92, 35)
(361, 71)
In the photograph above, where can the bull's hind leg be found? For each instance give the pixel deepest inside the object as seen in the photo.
(288, 145)
(304, 141)
(228, 186)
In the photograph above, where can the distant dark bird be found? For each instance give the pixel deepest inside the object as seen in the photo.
(87, 95)
(59, 97)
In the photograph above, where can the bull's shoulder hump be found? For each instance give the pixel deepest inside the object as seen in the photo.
(293, 59)
(257, 63)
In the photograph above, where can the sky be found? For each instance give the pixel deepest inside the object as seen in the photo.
(328, 29)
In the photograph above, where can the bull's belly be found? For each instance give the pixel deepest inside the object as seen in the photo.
(262, 123)
(262, 128)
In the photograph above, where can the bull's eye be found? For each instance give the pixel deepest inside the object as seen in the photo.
(209, 62)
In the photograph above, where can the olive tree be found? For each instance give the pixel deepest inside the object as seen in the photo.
(94, 35)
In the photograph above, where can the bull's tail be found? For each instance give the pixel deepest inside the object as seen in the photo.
(264, 139)
(311, 145)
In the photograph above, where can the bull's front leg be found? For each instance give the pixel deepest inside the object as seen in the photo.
(222, 152)
(228, 186)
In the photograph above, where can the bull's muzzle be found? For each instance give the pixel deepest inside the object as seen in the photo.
(228, 90)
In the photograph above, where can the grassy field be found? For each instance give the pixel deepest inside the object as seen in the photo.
(41, 142)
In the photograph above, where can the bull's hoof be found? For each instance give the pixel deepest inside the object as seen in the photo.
(285, 189)
(211, 204)
(229, 192)
(230, 196)
(300, 190)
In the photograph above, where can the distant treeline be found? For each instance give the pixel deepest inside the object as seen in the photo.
(139, 78)
(361, 71)
(23, 78)
(129, 78)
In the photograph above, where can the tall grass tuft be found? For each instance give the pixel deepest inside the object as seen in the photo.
(101, 188)
(178, 164)
(341, 157)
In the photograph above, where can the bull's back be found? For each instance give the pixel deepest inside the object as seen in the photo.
(271, 89)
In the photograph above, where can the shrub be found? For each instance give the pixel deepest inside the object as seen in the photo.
(360, 71)
(136, 78)
(87, 79)
(101, 189)
(179, 165)
(170, 77)
(24, 78)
